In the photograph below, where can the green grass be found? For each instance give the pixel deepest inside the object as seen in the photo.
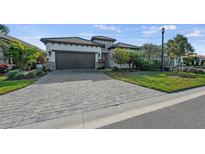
(11, 85)
(167, 82)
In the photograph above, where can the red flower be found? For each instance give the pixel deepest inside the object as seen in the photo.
(4, 66)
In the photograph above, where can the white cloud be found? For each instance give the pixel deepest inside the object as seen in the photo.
(194, 33)
(147, 30)
(107, 27)
(32, 37)
(86, 34)
(169, 27)
(150, 30)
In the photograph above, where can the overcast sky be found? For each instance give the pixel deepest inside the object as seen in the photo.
(127, 33)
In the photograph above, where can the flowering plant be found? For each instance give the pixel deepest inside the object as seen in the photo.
(4, 67)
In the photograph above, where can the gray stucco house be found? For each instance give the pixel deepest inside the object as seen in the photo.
(79, 53)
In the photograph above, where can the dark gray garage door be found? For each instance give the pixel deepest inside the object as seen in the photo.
(75, 60)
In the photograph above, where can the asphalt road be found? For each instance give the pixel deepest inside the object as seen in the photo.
(187, 115)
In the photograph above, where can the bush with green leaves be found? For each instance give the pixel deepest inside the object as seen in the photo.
(40, 73)
(120, 56)
(15, 74)
(24, 57)
(19, 74)
(152, 65)
(115, 69)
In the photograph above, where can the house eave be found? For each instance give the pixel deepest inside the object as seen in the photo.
(71, 43)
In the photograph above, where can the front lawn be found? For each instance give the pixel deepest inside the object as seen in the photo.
(166, 81)
(11, 85)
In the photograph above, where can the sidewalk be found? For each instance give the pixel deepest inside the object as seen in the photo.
(106, 116)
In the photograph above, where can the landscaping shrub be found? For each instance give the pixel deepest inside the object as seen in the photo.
(15, 74)
(167, 68)
(19, 74)
(101, 68)
(40, 73)
(31, 74)
(155, 65)
(115, 69)
(145, 66)
(4, 68)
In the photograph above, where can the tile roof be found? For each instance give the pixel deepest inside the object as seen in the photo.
(103, 38)
(124, 45)
(71, 40)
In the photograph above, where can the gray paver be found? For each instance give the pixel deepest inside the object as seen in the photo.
(64, 93)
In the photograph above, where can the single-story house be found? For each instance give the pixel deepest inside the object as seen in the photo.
(8, 38)
(79, 53)
(201, 59)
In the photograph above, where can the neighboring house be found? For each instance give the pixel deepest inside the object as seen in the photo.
(8, 38)
(199, 61)
(79, 53)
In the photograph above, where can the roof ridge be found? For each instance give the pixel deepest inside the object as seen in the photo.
(76, 40)
(61, 37)
(125, 43)
(103, 37)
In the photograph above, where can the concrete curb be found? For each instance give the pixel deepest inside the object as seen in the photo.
(106, 116)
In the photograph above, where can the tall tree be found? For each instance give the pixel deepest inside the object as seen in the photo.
(171, 51)
(180, 47)
(4, 29)
(151, 51)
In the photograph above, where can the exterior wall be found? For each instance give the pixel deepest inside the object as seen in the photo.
(67, 47)
(1, 56)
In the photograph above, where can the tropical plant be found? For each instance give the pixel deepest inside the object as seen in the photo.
(171, 53)
(24, 57)
(16, 52)
(120, 56)
(179, 47)
(4, 29)
(4, 68)
(3, 44)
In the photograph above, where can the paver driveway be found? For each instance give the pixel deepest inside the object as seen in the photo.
(63, 93)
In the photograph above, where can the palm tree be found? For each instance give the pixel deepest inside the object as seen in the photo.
(179, 47)
(4, 29)
(5, 46)
(171, 52)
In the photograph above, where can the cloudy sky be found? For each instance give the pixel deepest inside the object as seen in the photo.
(127, 33)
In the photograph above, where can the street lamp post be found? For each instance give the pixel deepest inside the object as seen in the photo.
(162, 54)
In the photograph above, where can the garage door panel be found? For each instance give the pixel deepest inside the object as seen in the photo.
(75, 60)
